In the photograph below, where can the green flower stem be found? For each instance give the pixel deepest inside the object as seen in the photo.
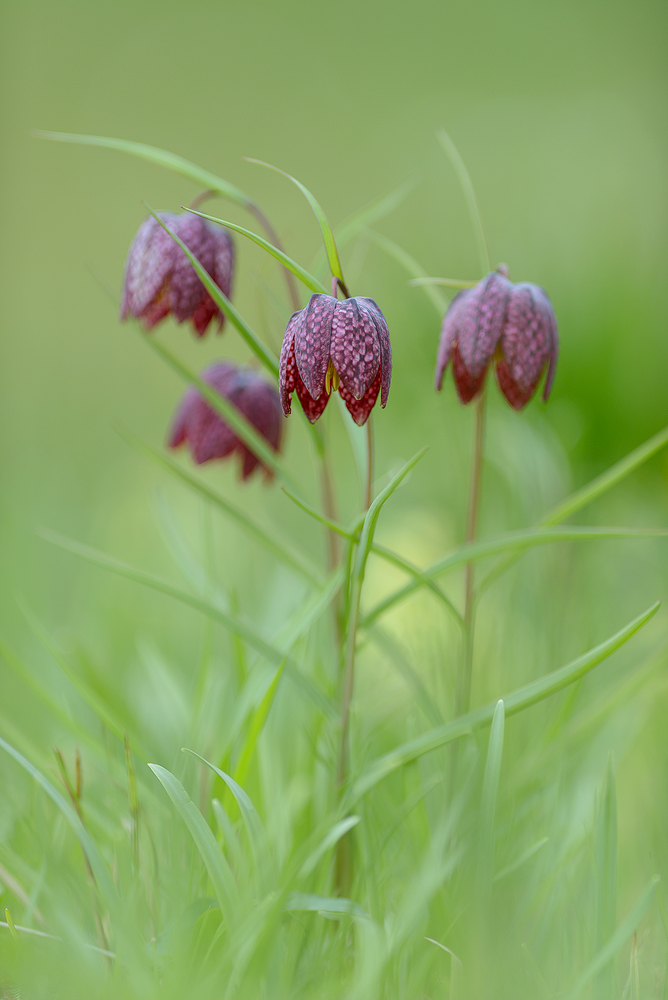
(463, 690)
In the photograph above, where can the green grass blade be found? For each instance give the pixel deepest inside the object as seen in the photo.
(299, 272)
(324, 904)
(98, 867)
(329, 841)
(269, 360)
(601, 484)
(323, 221)
(164, 587)
(456, 971)
(379, 550)
(257, 835)
(623, 932)
(517, 701)
(439, 302)
(443, 282)
(99, 705)
(218, 869)
(367, 216)
(521, 540)
(605, 861)
(230, 414)
(268, 541)
(490, 788)
(469, 194)
(257, 724)
(590, 492)
(523, 858)
(161, 157)
(373, 513)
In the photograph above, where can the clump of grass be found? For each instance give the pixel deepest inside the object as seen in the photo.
(341, 822)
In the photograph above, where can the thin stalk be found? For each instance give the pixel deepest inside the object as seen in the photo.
(368, 497)
(344, 855)
(463, 692)
(275, 239)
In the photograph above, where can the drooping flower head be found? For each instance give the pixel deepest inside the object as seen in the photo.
(207, 434)
(513, 325)
(331, 345)
(159, 278)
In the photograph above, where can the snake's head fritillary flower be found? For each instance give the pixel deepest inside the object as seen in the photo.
(513, 325)
(159, 278)
(205, 431)
(331, 345)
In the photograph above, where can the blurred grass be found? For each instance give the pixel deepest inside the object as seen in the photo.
(558, 110)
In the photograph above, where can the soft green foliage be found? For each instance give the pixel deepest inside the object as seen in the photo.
(504, 854)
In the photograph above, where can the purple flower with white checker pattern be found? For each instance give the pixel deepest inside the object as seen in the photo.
(205, 431)
(513, 325)
(159, 278)
(331, 345)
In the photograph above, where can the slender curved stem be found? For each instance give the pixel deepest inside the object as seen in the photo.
(463, 692)
(275, 239)
(344, 855)
(368, 490)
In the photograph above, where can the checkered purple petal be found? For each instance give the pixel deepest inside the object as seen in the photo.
(312, 342)
(480, 320)
(148, 266)
(287, 366)
(529, 337)
(373, 310)
(355, 348)
(449, 332)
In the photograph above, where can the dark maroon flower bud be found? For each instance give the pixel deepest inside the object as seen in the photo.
(514, 325)
(331, 345)
(159, 278)
(206, 432)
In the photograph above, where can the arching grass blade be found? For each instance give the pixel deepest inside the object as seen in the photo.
(490, 787)
(410, 264)
(323, 221)
(524, 539)
(209, 850)
(469, 194)
(299, 272)
(517, 701)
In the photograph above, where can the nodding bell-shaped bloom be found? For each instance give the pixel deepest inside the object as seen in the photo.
(159, 278)
(205, 431)
(513, 325)
(331, 345)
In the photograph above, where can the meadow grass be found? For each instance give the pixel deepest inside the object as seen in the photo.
(182, 840)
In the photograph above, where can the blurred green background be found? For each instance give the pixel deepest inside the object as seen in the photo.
(558, 109)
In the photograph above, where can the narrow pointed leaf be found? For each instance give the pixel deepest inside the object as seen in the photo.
(327, 843)
(439, 302)
(523, 858)
(214, 860)
(260, 349)
(517, 701)
(257, 835)
(323, 222)
(256, 727)
(524, 539)
(588, 493)
(367, 216)
(443, 282)
(299, 272)
(490, 787)
(161, 157)
(469, 194)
